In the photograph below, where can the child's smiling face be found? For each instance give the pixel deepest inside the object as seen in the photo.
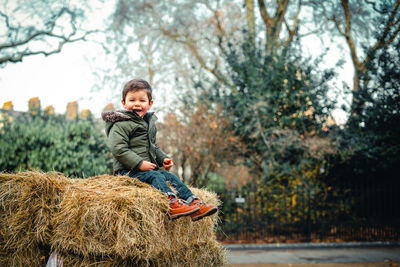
(137, 101)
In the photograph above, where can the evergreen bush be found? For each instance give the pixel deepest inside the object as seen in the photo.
(51, 143)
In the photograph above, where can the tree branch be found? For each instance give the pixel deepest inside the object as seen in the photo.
(347, 33)
(381, 42)
(373, 4)
(250, 17)
(293, 31)
(18, 52)
(6, 19)
(264, 139)
(279, 17)
(193, 49)
(20, 55)
(27, 40)
(264, 14)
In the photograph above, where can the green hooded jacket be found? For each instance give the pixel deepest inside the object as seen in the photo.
(132, 139)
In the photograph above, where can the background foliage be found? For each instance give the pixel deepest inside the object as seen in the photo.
(51, 143)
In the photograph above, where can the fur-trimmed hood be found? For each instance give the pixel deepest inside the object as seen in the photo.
(114, 116)
(111, 117)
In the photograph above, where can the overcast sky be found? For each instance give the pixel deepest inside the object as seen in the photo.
(56, 80)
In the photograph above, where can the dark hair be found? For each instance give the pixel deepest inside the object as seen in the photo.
(136, 85)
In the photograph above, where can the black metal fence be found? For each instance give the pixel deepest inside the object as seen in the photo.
(255, 213)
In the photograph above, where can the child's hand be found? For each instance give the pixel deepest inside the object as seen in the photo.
(147, 166)
(168, 163)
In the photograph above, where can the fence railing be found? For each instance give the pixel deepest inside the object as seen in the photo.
(255, 213)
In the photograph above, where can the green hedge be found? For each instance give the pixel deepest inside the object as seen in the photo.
(49, 143)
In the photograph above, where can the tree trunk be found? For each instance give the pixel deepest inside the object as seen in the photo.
(273, 25)
(250, 18)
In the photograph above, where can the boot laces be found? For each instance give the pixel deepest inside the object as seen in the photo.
(199, 202)
(179, 202)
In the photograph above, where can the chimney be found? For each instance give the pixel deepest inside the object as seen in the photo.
(72, 110)
(34, 106)
(109, 107)
(86, 114)
(49, 110)
(8, 105)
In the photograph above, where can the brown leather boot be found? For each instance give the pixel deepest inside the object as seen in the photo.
(177, 208)
(204, 210)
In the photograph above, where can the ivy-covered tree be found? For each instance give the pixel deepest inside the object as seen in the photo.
(278, 109)
(369, 162)
(371, 138)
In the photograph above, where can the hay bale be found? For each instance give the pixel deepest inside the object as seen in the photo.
(33, 256)
(27, 202)
(100, 221)
(202, 255)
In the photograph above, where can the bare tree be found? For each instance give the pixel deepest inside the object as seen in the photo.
(200, 143)
(40, 27)
(194, 33)
(358, 21)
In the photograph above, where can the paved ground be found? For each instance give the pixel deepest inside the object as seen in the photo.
(326, 257)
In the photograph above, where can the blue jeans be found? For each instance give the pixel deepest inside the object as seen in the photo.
(158, 179)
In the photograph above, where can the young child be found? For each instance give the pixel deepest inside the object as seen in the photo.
(132, 139)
